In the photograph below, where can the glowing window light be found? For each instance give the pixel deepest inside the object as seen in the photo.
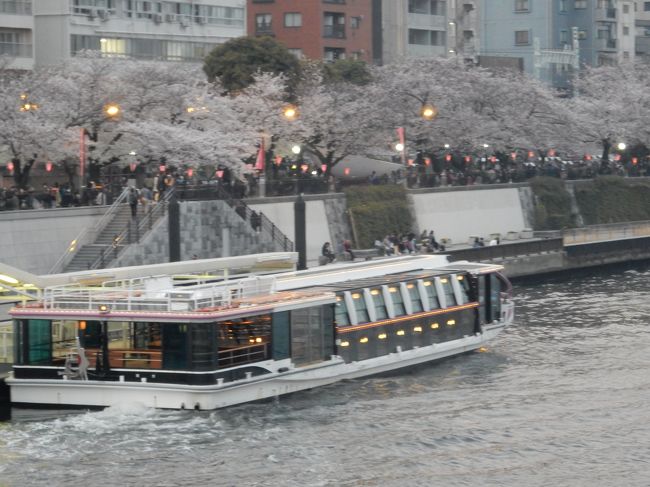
(356, 295)
(258, 340)
(410, 285)
(426, 283)
(363, 340)
(444, 280)
(392, 289)
(374, 292)
(82, 325)
(382, 336)
(451, 322)
(400, 333)
(460, 278)
(339, 298)
(417, 329)
(435, 326)
(345, 344)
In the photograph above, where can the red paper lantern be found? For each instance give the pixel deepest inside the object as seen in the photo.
(48, 166)
(323, 168)
(190, 172)
(162, 168)
(493, 159)
(588, 157)
(551, 153)
(304, 167)
(410, 162)
(617, 157)
(10, 166)
(427, 161)
(635, 161)
(513, 155)
(219, 173)
(132, 166)
(531, 154)
(346, 171)
(468, 159)
(278, 160)
(448, 157)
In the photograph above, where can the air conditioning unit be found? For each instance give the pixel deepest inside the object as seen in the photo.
(157, 18)
(200, 20)
(183, 21)
(103, 14)
(92, 13)
(170, 18)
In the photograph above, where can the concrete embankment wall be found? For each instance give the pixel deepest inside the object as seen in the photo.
(33, 240)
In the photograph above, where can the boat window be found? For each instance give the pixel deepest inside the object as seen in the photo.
(414, 294)
(398, 300)
(380, 305)
(311, 335)
(281, 335)
(244, 340)
(434, 303)
(360, 306)
(463, 285)
(203, 346)
(175, 346)
(341, 312)
(495, 296)
(448, 289)
(40, 342)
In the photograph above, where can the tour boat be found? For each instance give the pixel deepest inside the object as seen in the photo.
(176, 343)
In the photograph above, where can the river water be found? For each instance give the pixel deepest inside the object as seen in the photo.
(561, 398)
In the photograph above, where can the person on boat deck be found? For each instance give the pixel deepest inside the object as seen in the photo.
(326, 251)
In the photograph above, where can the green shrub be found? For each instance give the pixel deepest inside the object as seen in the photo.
(552, 204)
(612, 199)
(376, 211)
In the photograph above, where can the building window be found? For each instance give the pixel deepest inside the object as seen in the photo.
(293, 19)
(626, 30)
(427, 37)
(427, 7)
(355, 22)
(582, 34)
(564, 37)
(296, 52)
(263, 23)
(360, 306)
(563, 5)
(580, 4)
(522, 6)
(626, 55)
(626, 9)
(334, 25)
(522, 37)
(646, 6)
(333, 53)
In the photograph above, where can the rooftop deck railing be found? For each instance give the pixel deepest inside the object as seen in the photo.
(137, 295)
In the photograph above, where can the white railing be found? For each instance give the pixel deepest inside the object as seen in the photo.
(88, 235)
(136, 295)
(6, 344)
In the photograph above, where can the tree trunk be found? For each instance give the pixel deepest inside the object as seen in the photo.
(607, 146)
(22, 172)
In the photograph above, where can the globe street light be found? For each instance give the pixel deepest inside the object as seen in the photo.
(296, 149)
(428, 111)
(621, 146)
(112, 110)
(290, 112)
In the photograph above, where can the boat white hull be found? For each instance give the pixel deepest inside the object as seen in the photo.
(176, 396)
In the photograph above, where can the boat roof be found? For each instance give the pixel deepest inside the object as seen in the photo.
(165, 298)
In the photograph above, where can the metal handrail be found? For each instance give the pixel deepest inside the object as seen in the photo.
(133, 295)
(219, 192)
(84, 236)
(153, 215)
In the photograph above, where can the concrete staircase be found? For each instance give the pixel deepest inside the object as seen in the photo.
(88, 255)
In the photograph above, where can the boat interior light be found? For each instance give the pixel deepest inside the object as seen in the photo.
(363, 340)
(417, 329)
(435, 326)
(400, 332)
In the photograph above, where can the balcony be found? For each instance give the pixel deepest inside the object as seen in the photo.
(15, 50)
(605, 44)
(15, 7)
(334, 31)
(605, 15)
(264, 29)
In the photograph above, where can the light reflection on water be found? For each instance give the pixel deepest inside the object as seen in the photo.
(561, 398)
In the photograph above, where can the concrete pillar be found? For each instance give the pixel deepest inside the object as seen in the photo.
(225, 242)
(174, 228)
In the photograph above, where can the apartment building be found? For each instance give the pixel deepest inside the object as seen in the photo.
(42, 32)
(316, 29)
(429, 28)
(642, 28)
(549, 38)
